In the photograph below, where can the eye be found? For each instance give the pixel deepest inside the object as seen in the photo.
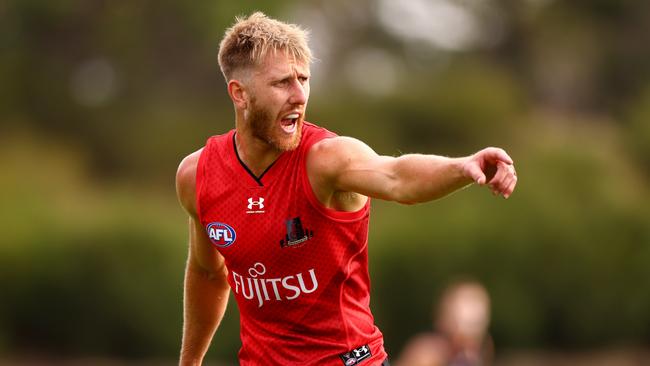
(303, 79)
(282, 83)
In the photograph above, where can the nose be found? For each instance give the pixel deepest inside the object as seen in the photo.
(299, 93)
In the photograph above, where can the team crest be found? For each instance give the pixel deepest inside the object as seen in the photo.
(221, 235)
(296, 234)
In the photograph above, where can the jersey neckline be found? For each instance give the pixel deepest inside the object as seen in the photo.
(257, 179)
(242, 169)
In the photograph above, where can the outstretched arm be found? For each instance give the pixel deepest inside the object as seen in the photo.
(206, 286)
(344, 164)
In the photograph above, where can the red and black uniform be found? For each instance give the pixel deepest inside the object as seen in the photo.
(299, 270)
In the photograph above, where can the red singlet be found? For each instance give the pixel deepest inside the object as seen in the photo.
(299, 271)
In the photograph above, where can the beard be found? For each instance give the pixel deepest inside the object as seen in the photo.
(263, 127)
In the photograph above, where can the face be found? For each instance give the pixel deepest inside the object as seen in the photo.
(465, 314)
(278, 95)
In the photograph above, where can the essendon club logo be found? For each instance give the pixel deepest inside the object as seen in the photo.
(220, 234)
(296, 234)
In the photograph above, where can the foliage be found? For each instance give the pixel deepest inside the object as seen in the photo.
(99, 101)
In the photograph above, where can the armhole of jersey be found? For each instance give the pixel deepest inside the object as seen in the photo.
(200, 176)
(340, 216)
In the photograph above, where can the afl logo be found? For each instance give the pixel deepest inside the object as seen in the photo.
(222, 235)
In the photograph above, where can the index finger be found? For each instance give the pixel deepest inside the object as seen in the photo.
(499, 155)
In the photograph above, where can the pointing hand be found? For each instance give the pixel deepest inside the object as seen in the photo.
(494, 167)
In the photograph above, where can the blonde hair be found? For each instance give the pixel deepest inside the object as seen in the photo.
(247, 43)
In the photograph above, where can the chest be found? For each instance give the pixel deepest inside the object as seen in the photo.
(259, 220)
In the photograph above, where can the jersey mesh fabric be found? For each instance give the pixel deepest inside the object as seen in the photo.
(298, 270)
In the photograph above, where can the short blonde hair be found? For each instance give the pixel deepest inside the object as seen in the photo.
(247, 43)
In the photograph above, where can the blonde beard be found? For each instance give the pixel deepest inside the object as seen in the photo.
(262, 128)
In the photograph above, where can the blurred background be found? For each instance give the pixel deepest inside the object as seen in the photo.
(100, 100)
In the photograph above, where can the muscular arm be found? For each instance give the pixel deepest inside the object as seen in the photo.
(206, 287)
(344, 164)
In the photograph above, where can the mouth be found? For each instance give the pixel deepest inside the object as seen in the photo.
(289, 123)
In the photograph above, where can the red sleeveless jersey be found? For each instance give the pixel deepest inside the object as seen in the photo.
(298, 270)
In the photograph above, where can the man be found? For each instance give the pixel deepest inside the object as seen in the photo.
(279, 211)
(460, 336)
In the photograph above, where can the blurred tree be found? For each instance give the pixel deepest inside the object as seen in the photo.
(100, 100)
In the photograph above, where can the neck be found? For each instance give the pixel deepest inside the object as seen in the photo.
(256, 154)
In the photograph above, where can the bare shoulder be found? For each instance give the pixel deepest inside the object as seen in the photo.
(329, 156)
(186, 182)
(328, 163)
(340, 144)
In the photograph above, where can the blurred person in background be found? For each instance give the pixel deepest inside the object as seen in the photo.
(279, 209)
(460, 336)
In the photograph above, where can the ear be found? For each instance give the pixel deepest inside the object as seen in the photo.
(238, 94)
